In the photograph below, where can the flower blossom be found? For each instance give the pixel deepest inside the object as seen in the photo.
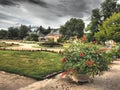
(63, 60)
(89, 63)
(83, 39)
(81, 54)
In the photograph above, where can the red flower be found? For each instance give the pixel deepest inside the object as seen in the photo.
(89, 63)
(63, 74)
(83, 39)
(63, 60)
(94, 62)
(81, 54)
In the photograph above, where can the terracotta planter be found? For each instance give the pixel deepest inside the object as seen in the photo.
(80, 78)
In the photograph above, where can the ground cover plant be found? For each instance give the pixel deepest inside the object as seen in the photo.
(32, 64)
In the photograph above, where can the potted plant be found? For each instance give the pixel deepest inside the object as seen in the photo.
(82, 59)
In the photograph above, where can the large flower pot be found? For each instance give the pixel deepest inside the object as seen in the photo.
(80, 78)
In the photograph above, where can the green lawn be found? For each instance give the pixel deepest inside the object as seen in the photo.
(32, 64)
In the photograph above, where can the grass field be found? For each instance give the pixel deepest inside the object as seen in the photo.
(32, 64)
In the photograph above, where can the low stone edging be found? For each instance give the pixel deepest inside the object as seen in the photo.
(31, 50)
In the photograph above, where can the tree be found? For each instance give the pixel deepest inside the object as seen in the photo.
(118, 8)
(93, 25)
(3, 34)
(23, 31)
(46, 31)
(108, 7)
(73, 27)
(13, 33)
(43, 30)
(39, 29)
(110, 29)
(32, 37)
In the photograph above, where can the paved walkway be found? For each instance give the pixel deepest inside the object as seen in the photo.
(13, 82)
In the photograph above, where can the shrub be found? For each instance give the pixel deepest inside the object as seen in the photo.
(117, 50)
(32, 37)
(83, 58)
(51, 44)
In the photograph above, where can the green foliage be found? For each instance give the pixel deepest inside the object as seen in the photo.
(3, 34)
(51, 43)
(73, 27)
(32, 37)
(108, 7)
(32, 64)
(43, 30)
(23, 31)
(93, 25)
(84, 59)
(108, 56)
(61, 39)
(13, 33)
(117, 50)
(110, 29)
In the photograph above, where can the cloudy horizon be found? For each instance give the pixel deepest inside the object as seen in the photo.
(44, 12)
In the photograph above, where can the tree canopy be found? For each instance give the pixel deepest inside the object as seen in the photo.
(93, 25)
(13, 33)
(108, 7)
(73, 27)
(110, 29)
(23, 31)
(3, 34)
(42, 30)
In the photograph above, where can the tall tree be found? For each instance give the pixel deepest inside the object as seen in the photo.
(108, 7)
(23, 31)
(110, 29)
(3, 34)
(32, 37)
(93, 25)
(42, 30)
(13, 33)
(73, 27)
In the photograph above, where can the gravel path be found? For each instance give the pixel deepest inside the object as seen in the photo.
(25, 46)
(110, 80)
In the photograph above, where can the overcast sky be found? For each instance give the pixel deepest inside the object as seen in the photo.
(52, 13)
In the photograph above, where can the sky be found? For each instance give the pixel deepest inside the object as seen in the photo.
(53, 13)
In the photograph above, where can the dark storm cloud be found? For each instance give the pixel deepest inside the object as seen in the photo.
(46, 12)
(6, 17)
(7, 2)
(15, 2)
(77, 8)
(38, 2)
